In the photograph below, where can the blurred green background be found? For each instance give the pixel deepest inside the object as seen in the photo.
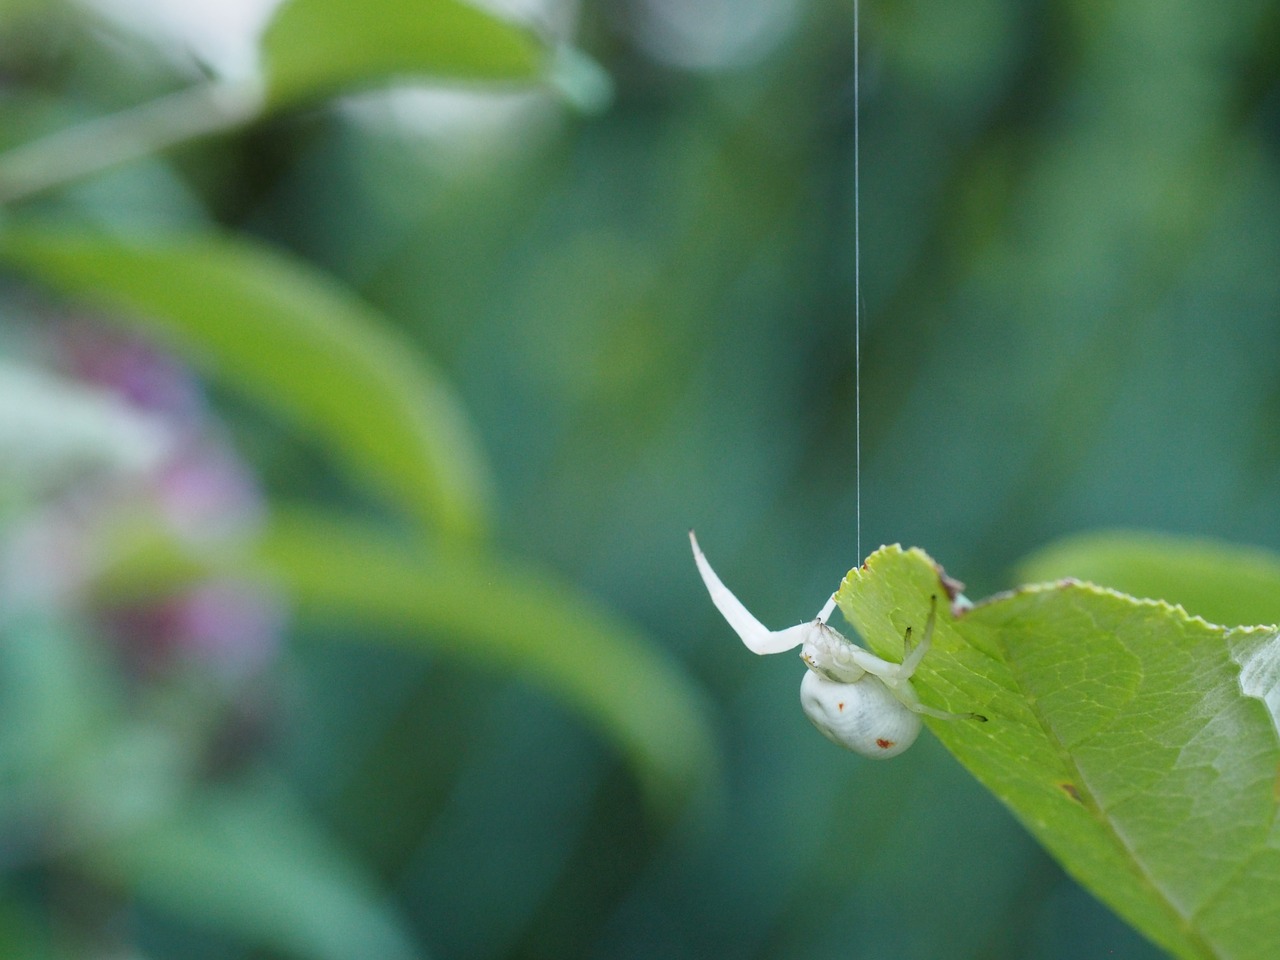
(1071, 264)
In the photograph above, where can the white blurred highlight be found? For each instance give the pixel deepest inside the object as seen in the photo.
(52, 430)
(221, 34)
(710, 35)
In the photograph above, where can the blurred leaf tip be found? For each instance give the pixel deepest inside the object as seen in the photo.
(286, 334)
(314, 48)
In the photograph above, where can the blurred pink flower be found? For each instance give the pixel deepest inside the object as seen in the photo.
(207, 493)
(231, 628)
(137, 372)
(199, 490)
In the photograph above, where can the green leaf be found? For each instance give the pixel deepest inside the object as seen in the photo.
(249, 862)
(1224, 583)
(57, 692)
(507, 619)
(293, 339)
(24, 931)
(1131, 739)
(316, 47)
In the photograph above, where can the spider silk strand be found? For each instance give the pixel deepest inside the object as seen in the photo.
(857, 286)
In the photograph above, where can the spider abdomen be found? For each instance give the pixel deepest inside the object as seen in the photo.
(862, 716)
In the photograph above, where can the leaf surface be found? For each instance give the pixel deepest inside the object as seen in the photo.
(1134, 741)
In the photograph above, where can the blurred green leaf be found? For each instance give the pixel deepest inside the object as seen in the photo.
(56, 692)
(25, 935)
(1131, 739)
(505, 618)
(293, 339)
(1221, 582)
(251, 863)
(318, 47)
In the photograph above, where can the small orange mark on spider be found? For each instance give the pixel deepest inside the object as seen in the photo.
(840, 706)
(884, 744)
(1070, 790)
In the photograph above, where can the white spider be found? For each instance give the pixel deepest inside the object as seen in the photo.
(855, 699)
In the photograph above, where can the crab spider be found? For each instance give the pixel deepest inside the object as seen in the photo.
(856, 700)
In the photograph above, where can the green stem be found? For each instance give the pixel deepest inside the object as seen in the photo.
(100, 144)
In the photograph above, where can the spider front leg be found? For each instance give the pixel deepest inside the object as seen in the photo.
(757, 637)
(899, 681)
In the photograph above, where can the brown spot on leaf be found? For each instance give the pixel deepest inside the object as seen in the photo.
(884, 744)
(1070, 790)
(950, 584)
(839, 706)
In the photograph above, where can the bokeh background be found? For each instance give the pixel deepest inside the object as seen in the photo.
(1071, 278)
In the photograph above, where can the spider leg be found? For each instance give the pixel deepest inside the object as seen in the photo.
(907, 696)
(757, 637)
(912, 659)
(902, 688)
(825, 613)
(921, 709)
